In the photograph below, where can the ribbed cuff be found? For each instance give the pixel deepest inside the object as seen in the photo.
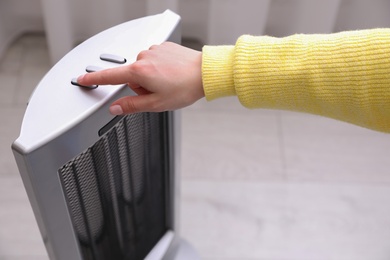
(217, 71)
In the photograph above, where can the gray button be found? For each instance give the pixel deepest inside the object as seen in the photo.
(74, 82)
(112, 58)
(93, 68)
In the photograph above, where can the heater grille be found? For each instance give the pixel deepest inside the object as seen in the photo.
(116, 190)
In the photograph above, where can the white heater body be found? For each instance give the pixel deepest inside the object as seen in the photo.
(103, 187)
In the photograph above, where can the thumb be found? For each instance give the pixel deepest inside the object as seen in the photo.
(132, 104)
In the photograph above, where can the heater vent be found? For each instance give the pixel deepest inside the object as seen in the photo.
(116, 190)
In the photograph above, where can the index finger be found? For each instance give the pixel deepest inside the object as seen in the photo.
(112, 76)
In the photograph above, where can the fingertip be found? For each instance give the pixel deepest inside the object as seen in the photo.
(80, 78)
(131, 104)
(116, 110)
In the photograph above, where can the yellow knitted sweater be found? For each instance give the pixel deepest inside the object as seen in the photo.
(345, 76)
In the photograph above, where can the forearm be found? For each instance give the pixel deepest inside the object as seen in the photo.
(345, 76)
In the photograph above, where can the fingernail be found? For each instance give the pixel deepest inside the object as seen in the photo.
(116, 110)
(80, 78)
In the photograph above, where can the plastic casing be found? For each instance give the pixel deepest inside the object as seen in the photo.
(61, 120)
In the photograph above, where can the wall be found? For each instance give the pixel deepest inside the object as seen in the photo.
(209, 21)
(16, 17)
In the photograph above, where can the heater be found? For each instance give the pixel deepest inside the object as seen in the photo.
(103, 187)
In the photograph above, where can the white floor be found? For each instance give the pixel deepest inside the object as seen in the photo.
(256, 184)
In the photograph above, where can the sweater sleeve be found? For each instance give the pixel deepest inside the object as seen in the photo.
(345, 76)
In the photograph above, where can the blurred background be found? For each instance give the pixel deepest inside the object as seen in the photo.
(256, 184)
(66, 23)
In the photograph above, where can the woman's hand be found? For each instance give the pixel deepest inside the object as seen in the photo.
(165, 77)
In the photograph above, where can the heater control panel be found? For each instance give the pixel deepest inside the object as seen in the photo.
(59, 93)
(91, 68)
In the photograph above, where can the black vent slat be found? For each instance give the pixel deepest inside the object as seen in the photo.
(116, 191)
